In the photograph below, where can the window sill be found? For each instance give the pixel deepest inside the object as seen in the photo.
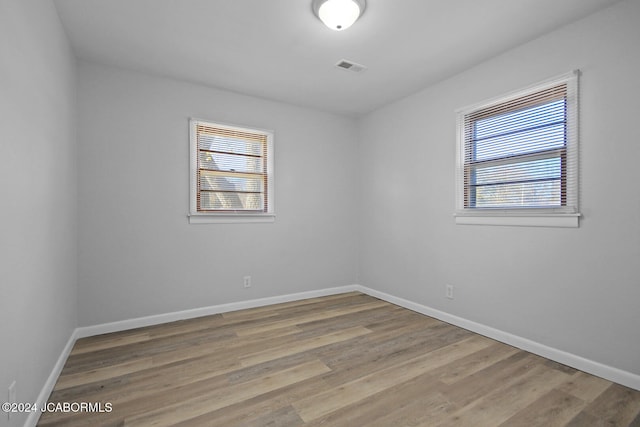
(230, 219)
(523, 220)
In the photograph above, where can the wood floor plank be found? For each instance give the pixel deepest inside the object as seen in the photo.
(499, 405)
(476, 362)
(93, 375)
(148, 348)
(116, 341)
(146, 381)
(495, 377)
(342, 360)
(306, 317)
(292, 307)
(216, 399)
(260, 407)
(585, 420)
(392, 407)
(387, 350)
(232, 347)
(145, 403)
(618, 405)
(374, 317)
(354, 391)
(553, 409)
(584, 386)
(303, 345)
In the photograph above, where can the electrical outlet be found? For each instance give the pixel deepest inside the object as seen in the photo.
(449, 291)
(11, 398)
(247, 281)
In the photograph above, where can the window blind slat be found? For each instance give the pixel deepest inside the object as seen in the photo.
(232, 168)
(520, 152)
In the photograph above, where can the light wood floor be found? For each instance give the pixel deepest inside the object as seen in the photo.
(343, 360)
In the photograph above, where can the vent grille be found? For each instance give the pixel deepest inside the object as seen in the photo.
(350, 66)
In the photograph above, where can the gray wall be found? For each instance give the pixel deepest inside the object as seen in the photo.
(573, 289)
(39, 196)
(138, 254)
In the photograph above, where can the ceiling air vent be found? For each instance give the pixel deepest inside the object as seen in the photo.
(350, 66)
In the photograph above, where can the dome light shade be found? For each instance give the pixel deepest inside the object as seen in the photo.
(338, 14)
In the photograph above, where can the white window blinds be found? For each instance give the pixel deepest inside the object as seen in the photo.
(519, 153)
(231, 170)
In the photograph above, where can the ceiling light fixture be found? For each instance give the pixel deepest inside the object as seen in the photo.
(338, 14)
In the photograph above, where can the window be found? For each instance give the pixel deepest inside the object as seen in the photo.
(517, 158)
(231, 173)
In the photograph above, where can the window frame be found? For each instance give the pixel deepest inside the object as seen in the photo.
(566, 215)
(229, 216)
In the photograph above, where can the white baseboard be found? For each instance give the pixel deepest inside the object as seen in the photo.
(87, 331)
(105, 328)
(595, 368)
(592, 367)
(42, 398)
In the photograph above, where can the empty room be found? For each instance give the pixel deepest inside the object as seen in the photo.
(319, 213)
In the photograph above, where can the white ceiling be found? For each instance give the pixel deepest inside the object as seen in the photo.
(278, 49)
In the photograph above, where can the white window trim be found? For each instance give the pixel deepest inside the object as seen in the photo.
(534, 217)
(540, 220)
(196, 217)
(200, 218)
